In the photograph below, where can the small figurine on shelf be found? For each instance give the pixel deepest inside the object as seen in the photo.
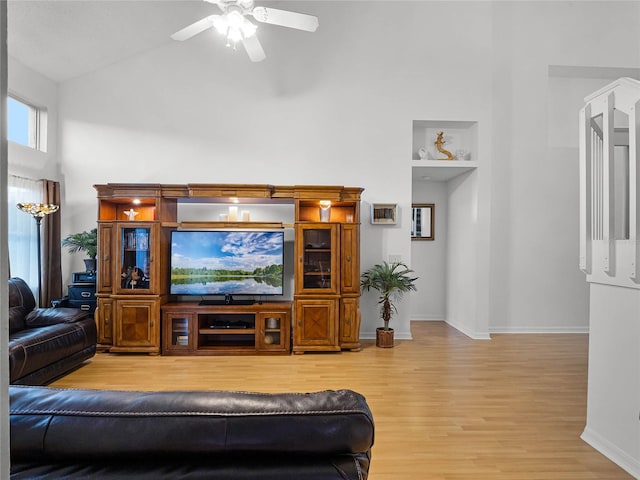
(422, 153)
(131, 213)
(439, 143)
(134, 277)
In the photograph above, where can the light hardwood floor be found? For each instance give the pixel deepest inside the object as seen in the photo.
(445, 406)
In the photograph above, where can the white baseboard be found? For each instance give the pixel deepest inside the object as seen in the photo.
(524, 329)
(441, 318)
(471, 334)
(612, 452)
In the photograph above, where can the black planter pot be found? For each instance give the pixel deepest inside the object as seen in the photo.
(90, 265)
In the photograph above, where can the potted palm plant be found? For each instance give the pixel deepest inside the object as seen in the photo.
(84, 242)
(391, 280)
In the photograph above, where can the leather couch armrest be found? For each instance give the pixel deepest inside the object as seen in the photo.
(43, 317)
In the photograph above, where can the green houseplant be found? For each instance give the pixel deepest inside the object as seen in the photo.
(84, 242)
(391, 280)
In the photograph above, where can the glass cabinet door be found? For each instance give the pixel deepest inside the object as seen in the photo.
(177, 332)
(136, 243)
(272, 332)
(317, 258)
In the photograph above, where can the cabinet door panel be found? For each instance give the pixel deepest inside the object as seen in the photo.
(350, 323)
(137, 324)
(350, 259)
(105, 257)
(105, 321)
(316, 323)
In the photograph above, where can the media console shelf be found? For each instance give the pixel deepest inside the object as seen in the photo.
(196, 329)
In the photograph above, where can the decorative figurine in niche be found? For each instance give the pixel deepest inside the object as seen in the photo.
(439, 143)
(131, 213)
(422, 153)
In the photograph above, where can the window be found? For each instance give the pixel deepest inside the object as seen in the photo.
(26, 124)
(23, 249)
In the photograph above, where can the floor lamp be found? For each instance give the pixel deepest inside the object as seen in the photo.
(38, 211)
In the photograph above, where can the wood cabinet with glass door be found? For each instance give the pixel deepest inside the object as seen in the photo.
(317, 280)
(129, 284)
(327, 275)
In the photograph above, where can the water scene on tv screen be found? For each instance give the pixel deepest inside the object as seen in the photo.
(226, 263)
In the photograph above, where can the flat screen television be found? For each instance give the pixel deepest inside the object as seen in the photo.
(226, 262)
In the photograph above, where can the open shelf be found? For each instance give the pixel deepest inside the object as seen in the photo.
(440, 170)
(260, 328)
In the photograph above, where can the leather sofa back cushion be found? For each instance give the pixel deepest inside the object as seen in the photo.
(58, 423)
(43, 317)
(16, 319)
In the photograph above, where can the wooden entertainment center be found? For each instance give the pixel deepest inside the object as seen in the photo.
(136, 313)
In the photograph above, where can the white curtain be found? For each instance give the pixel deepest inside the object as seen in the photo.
(23, 249)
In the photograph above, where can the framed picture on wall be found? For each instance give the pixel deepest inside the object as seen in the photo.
(384, 213)
(422, 221)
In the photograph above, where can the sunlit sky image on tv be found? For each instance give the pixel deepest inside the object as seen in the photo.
(245, 250)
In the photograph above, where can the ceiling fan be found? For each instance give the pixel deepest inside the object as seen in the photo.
(234, 25)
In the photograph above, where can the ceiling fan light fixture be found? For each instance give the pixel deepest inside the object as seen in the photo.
(235, 27)
(234, 18)
(221, 25)
(234, 36)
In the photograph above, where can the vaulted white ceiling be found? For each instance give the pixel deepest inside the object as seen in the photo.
(64, 39)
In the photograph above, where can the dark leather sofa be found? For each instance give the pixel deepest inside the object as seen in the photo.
(57, 433)
(45, 343)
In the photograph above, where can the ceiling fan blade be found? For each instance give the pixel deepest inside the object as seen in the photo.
(284, 18)
(194, 28)
(254, 48)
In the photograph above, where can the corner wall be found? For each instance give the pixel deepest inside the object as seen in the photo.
(613, 400)
(428, 257)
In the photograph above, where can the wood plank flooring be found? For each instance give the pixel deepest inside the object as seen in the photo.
(446, 407)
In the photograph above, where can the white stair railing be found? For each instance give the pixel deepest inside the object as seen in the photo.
(603, 257)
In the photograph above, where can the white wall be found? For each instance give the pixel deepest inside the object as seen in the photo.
(613, 397)
(337, 109)
(429, 257)
(41, 92)
(535, 285)
(463, 254)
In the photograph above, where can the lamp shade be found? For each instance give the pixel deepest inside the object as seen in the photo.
(38, 209)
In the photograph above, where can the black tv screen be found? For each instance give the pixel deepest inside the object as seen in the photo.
(227, 262)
